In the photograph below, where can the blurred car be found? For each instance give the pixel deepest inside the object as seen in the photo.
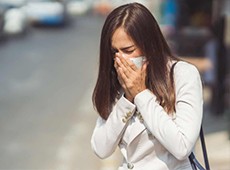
(46, 12)
(78, 7)
(12, 17)
(15, 21)
(103, 7)
(2, 14)
(13, 3)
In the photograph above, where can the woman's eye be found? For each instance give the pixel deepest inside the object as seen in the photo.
(129, 51)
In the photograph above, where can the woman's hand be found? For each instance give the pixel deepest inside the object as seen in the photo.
(130, 77)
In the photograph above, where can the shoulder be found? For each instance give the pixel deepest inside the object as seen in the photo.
(184, 69)
(186, 74)
(185, 66)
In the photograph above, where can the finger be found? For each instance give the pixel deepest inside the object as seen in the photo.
(123, 61)
(127, 63)
(144, 66)
(120, 79)
(119, 62)
(115, 64)
(133, 66)
(130, 65)
(127, 69)
(143, 70)
(122, 73)
(121, 82)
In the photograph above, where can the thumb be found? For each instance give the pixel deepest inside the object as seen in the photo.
(144, 67)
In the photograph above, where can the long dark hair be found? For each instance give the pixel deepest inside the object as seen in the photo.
(141, 26)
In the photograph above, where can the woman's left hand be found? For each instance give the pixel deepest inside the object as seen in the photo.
(130, 77)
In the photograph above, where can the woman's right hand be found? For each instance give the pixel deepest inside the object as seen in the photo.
(121, 81)
(131, 78)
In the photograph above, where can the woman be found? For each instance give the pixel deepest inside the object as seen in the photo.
(152, 113)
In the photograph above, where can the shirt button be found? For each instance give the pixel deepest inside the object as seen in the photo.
(129, 114)
(130, 166)
(124, 120)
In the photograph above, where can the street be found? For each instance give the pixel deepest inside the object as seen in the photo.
(47, 78)
(46, 112)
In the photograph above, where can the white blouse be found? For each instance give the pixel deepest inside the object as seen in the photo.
(148, 137)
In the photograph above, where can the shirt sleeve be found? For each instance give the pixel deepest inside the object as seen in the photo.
(179, 134)
(108, 133)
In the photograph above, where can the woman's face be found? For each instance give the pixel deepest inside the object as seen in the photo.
(123, 45)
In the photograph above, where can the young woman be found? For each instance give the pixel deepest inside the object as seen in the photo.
(152, 112)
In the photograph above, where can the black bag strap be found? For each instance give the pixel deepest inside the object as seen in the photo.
(194, 162)
(205, 155)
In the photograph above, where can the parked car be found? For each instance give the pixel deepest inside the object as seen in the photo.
(13, 3)
(46, 12)
(13, 17)
(2, 13)
(15, 21)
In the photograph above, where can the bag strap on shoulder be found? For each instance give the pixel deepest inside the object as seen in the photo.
(205, 155)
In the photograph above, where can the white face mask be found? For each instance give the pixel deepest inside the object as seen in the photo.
(138, 61)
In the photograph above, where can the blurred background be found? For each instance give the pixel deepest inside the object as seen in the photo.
(48, 67)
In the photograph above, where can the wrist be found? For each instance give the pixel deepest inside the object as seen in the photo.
(129, 97)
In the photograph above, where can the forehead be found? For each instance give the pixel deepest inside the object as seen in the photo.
(121, 39)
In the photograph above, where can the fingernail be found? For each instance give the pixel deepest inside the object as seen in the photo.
(118, 60)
